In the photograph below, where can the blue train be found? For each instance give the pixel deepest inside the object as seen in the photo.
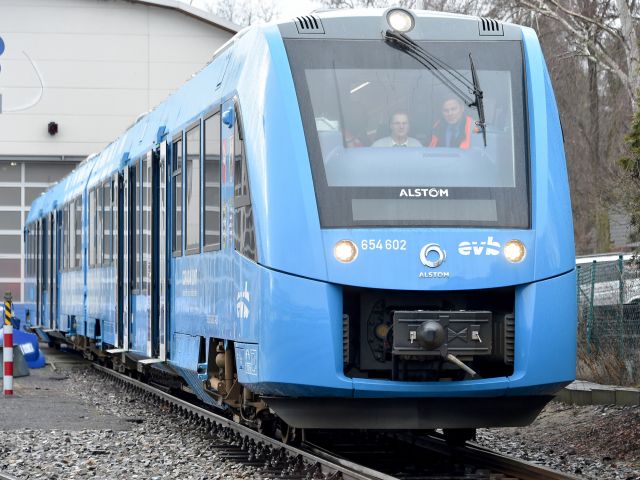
(259, 240)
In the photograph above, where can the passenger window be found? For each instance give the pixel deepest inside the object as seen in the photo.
(78, 229)
(99, 218)
(65, 238)
(72, 236)
(45, 255)
(106, 223)
(192, 185)
(92, 228)
(212, 182)
(176, 173)
(244, 231)
(114, 218)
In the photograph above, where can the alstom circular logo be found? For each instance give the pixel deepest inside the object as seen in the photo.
(432, 255)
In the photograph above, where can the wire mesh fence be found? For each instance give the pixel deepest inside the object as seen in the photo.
(609, 320)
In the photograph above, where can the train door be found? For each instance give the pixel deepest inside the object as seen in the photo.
(116, 229)
(158, 320)
(56, 231)
(151, 248)
(123, 260)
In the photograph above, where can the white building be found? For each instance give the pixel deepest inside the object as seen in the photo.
(74, 74)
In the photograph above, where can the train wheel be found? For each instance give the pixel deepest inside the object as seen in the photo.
(456, 437)
(267, 425)
(290, 435)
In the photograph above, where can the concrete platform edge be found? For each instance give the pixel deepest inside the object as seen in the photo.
(621, 396)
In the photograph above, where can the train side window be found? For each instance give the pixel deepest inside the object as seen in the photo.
(114, 219)
(212, 182)
(72, 236)
(99, 222)
(28, 241)
(62, 241)
(192, 193)
(92, 228)
(65, 238)
(44, 255)
(176, 173)
(29, 235)
(106, 223)
(39, 248)
(244, 231)
(27, 253)
(36, 249)
(32, 249)
(78, 228)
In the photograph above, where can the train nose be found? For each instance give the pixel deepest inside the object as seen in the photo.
(430, 335)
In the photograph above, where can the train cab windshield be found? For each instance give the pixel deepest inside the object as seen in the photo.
(392, 143)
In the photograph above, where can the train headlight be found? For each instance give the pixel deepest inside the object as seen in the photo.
(400, 20)
(345, 251)
(514, 251)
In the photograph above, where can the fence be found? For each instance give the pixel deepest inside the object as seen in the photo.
(609, 320)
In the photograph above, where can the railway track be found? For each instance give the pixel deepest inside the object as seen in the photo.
(349, 455)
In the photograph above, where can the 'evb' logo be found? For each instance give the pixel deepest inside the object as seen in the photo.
(490, 247)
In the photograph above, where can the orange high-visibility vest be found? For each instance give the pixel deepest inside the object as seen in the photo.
(438, 133)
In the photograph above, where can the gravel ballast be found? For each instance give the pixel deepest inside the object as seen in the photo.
(153, 444)
(593, 442)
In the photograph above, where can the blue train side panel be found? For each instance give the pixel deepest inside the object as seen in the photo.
(546, 340)
(551, 205)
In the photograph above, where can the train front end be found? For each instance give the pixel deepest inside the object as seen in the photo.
(445, 293)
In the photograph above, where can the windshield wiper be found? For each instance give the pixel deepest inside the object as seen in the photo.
(479, 104)
(449, 76)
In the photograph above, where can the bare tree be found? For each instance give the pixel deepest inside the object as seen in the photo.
(366, 3)
(456, 6)
(594, 28)
(596, 74)
(245, 12)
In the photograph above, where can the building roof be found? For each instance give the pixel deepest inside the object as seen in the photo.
(192, 12)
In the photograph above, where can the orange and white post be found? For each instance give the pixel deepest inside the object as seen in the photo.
(7, 350)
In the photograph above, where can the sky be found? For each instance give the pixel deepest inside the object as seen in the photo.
(288, 8)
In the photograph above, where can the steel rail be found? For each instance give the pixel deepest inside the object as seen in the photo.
(348, 470)
(512, 466)
(480, 455)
